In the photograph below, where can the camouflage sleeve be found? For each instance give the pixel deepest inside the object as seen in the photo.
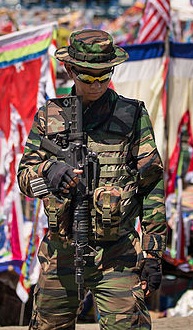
(151, 186)
(33, 156)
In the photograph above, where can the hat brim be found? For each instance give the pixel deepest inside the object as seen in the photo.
(121, 55)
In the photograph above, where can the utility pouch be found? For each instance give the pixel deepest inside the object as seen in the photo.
(56, 212)
(107, 209)
(111, 204)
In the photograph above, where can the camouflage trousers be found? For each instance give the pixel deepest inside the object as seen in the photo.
(112, 276)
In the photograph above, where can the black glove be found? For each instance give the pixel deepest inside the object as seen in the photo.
(60, 175)
(152, 273)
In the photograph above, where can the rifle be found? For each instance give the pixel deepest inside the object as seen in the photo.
(66, 140)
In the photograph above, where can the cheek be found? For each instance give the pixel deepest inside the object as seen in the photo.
(82, 89)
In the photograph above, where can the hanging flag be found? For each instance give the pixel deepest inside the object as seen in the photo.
(142, 77)
(155, 21)
(180, 106)
(23, 55)
(30, 267)
(26, 82)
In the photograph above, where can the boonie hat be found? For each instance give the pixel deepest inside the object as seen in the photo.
(92, 49)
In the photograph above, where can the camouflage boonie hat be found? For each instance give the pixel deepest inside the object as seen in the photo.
(92, 49)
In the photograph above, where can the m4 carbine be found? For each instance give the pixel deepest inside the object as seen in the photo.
(66, 140)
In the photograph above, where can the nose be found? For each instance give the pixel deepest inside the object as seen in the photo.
(96, 84)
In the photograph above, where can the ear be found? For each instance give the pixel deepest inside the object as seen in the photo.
(68, 69)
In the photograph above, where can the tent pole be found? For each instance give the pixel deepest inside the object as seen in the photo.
(21, 318)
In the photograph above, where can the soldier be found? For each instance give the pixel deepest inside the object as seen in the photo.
(124, 269)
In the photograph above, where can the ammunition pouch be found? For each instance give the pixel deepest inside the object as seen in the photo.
(111, 203)
(57, 213)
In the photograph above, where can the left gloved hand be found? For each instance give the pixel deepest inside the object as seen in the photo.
(151, 275)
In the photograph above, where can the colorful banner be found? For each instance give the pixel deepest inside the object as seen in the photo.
(23, 57)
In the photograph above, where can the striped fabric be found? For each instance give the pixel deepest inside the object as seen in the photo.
(25, 45)
(155, 21)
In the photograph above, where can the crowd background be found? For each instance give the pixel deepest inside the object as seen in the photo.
(159, 39)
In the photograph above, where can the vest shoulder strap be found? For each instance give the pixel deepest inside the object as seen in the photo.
(125, 115)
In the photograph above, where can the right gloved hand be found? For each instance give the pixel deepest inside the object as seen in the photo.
(151, 275)
(61, 176)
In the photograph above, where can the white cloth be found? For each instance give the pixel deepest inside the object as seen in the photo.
(184, 306)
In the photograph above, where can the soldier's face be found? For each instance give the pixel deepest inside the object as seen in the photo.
(90, 84)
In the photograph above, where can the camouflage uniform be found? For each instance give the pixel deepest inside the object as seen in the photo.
(113, 274)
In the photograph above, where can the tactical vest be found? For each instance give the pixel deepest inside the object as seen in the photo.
(115, 201)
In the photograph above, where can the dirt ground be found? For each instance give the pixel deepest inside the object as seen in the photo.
(177, 323)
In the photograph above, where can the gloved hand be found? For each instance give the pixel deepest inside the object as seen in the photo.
(151, 274)
(61, 176)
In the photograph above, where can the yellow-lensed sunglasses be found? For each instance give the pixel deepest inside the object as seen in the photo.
(87, 79)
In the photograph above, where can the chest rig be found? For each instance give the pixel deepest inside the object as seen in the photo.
(114, 198)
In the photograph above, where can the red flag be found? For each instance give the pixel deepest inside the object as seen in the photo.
(19, 87)
(6, 79)
(155, 21)
(24, 90)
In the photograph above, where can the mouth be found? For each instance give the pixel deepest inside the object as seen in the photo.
(94, 95)
(95, 92)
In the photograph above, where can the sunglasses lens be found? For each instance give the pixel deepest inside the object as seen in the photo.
(90, 79)
(87, 79)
